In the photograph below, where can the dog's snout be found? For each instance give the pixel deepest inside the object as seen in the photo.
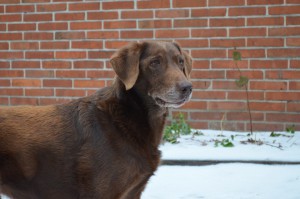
(186, 88)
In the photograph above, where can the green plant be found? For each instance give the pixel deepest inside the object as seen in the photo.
(291, 129)
(242, 82)
(224, 143)
(175, 129)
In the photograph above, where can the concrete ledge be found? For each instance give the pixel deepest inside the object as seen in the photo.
(213, 162)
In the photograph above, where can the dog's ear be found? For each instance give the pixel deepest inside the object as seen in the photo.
(187, 60)
(125, 63)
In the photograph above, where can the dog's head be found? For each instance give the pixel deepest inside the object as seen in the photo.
(160, 70)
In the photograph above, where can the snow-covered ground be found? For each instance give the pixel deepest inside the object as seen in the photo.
(224, 181)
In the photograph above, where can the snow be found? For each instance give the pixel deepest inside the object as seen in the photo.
(231, 180)
(224, 181)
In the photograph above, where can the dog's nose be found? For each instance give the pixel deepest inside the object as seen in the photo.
(186, 88)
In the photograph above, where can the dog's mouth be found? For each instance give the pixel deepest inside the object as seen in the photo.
(174, 104)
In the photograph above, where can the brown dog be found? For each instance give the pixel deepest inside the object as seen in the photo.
(101, 146)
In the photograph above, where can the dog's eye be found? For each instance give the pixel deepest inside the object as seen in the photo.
(181, 61)
(155, 62)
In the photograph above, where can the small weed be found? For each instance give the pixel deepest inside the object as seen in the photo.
(273, 134)
(224, 143)
(177, 128)
(291, 129)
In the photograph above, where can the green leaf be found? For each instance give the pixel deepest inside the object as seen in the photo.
(242, 81)
(291, 129)
(236, 56)
(227, 143)
(273, 134)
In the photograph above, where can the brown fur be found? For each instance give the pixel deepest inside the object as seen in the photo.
(101, 146)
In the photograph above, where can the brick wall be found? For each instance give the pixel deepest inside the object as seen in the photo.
(52, 51)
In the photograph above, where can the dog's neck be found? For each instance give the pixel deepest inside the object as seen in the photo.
(156, 115)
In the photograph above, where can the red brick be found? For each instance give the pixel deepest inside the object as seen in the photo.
(4, 46)
(172, 13)
(264, 2)
(231, 116)
(10, 17)
(12, 91)
(4, 82)
(70, 74)
(101, 74)
(295, 63)
(217, 64)
(282, 117)
(282, 96)
(24, 45)
(283, 52)
(209, 32)
(294, 20)
(57, 83)
(21, 27)
(87, 44)
(11, 55)
(221, 105)
(209, 12)
(20, 8)
(268, 64)
(115, 44)
(26, 82)
(1, 9)
(206, 115)
(190, 23)
(136, 14)
(89, 84)
(51, 7)
(100, 54)
(266, 42)
(4, 64)
(103, 35)
(249, 53)
(226, 3)
(88, 64)
(119, 24)
(70, 93)
(209, 95)
(200, 64)
(53, 26)
(243, 32)
(201, 84)
(39, 73)
(3, 27)
(25, 64)
(36, 1)
(153, 4)
(10, 1)
(39, 55)
(242, 95)
(225, 85)
(288, 31)
(56, 64)
(102, 15)
(283, 10)
(293, 106)
(188, 3)
(200, 105)
(39, 92)
(227, 43)
(263, 85)
(294, 85)
(193, 43)
(70, 55)
(215, 53)
(24, 101)
(293, 41)
(182, 33)
(247, 11)
(69, 35)
(265, 21)
(84, 6)
(11, 73)
(118, 5)
(155, 24)
(50, 101)
(54, 45)
(136, 34)
(69, 16)
(253, 74)
(85, 25)
(37, 17)
(38, 36)
(10, 36)
(283, 74)
(208, 74)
